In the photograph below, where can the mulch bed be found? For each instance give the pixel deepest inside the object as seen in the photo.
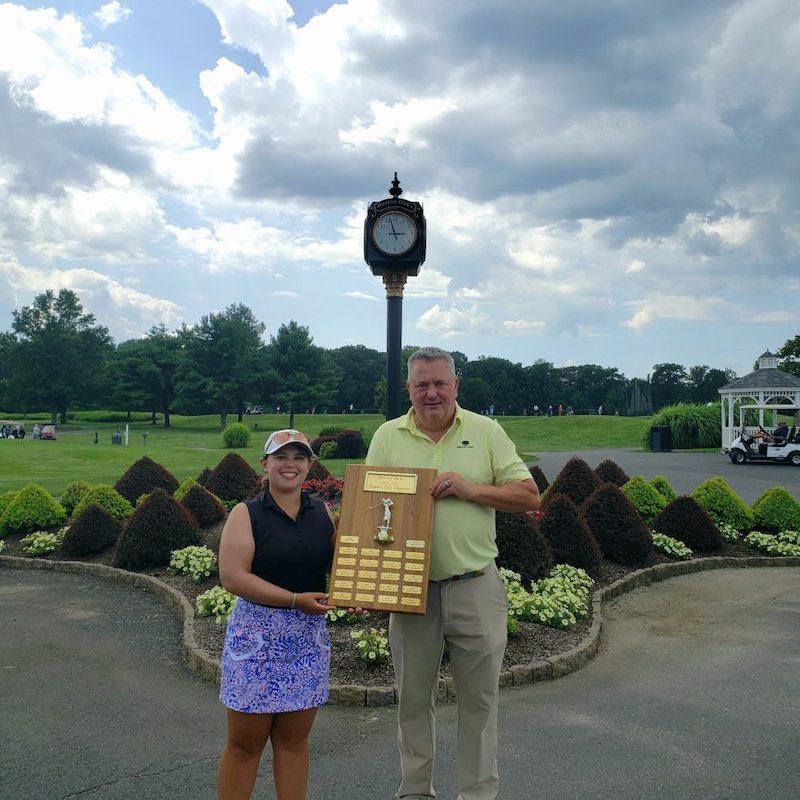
(533, 643)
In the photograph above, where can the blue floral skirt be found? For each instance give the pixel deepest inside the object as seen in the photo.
(275, 660)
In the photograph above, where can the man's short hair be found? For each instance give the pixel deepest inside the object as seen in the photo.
(432, 354)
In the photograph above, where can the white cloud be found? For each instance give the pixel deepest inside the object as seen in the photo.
(111, 13)
(635, 265)
(450, 321)
(675, 307)
(360, 296)
(523, 325)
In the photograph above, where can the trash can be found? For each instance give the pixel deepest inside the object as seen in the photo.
(661, 439)
(116, 438)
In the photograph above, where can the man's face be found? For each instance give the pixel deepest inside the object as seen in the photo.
(432, 389)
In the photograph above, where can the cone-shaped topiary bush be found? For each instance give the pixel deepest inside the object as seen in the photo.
(576, 480)
(32, 509)
(609, 471)
(5, 501)
(350, 444)
(107, 497)
(92, 531)
(318, 471)
(142, 477)
(647, 501)
(521, 546)
(539, 477)
(233, 479)
(776, 510)
(72, 495)
(723, 504)
(568, 535)
(319, 441)
(184, 487)
(158, 526)
(687, 521)
(205, 508)
(617, 526)
(203, 477)
(662, 486)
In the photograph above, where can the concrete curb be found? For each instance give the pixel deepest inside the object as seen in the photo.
(208, 668)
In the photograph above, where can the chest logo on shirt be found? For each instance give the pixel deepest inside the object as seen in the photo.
(464, 443)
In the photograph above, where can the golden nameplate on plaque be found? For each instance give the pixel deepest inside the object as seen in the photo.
(383, 544)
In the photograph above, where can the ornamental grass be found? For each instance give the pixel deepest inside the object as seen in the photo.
(568, 535)
(687, 521)
(521, 546)
(93, 530)
(576, 480)
(233, 479)
(142, 477)
(617, 526)
(609, 471)
(159, 525)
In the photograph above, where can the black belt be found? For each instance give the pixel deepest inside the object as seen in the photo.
(463, 577)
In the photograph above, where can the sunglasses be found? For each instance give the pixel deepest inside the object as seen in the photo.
(289, 435)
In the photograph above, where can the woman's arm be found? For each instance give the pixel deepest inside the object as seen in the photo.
(236, 549)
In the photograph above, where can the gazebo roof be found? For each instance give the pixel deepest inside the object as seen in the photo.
(767, 354)
(764, 379)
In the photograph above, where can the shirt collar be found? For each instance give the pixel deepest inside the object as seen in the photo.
(268, 501)
(409, 422)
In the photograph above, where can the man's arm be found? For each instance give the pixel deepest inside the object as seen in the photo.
(515, 496)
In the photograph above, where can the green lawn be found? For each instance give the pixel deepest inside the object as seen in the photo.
(196, 442)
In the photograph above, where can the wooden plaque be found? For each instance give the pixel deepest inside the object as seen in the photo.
(383, 545)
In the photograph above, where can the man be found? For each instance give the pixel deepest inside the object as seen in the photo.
(479, 471)
(781, 432)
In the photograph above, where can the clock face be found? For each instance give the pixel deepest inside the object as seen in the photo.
(394, 233)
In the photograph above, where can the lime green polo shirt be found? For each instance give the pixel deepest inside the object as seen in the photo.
(479, 450)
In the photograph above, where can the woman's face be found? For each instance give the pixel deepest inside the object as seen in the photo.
(287, 468)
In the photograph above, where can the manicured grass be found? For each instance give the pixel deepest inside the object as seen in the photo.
(196, 442)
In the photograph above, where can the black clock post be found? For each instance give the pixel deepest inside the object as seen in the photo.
(394, 248)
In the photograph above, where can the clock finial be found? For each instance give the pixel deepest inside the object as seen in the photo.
(395, 191)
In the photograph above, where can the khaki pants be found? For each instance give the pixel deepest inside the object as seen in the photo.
(469, 615)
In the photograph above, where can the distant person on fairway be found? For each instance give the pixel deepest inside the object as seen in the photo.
(467, 603)
(274, 554)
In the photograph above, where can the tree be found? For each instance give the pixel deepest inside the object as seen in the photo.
(305, 374)
(506, 382)
(358, 370)
(222, 361)
(790, 353)
(61, 355)
(127, 365)
(162, 353)
(474, 394)
(7, 345)
(668, 384)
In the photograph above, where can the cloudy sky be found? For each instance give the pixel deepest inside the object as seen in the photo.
(614, 183)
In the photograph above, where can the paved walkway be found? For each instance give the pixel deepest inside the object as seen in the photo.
(685, 471)
(693, 696)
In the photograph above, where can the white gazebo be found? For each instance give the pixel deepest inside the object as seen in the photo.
(766, 389)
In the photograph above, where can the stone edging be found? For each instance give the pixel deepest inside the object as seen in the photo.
(551, 668)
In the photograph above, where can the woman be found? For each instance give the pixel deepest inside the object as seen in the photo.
(274, 554)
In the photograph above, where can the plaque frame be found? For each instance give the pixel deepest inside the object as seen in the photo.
(380, 516)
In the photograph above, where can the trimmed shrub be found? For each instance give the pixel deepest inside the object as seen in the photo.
(576, 480)
(5, 501)
(329, 450)
(184, 487)
(72, 495)
(203, 477)
(646, 500)
(236, 435)
(687, 521)
(317, 443)
(539, 478)
(521, 546)
(318, 472)
(617, 526)
(142, 477)
(330, 430)
(692, 425)
(233, 479)
(158, 526)
(32, 509)
(204, 506)
(568, 535)
(776, 510)
(107, 497)
(92, 531)
(662, 486)
(609, 471)
(723, 504)
(350, 444)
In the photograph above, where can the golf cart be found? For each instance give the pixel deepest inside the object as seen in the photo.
(752, 448)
